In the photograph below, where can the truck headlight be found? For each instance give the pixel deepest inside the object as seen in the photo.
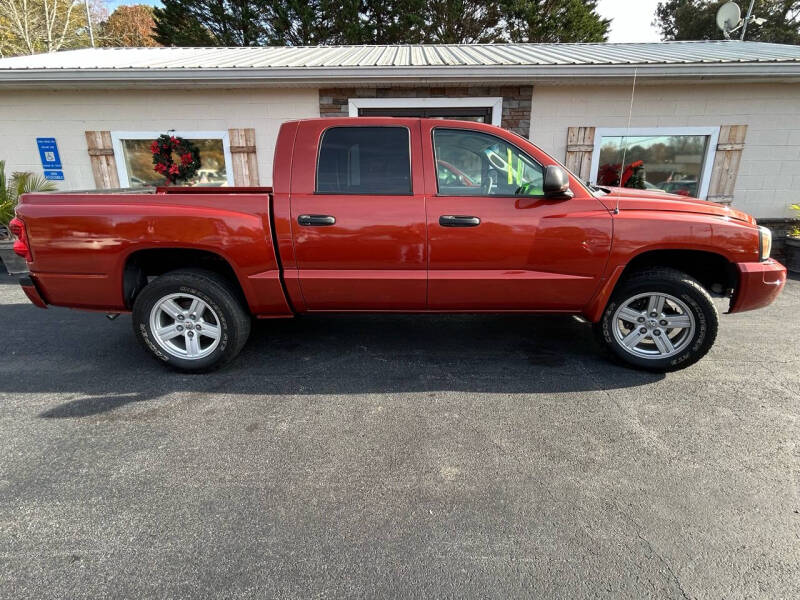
(764, 242)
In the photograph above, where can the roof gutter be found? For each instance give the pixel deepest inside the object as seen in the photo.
(396, 75)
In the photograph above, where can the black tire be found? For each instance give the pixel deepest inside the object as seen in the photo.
(218, 294)
(680, 286)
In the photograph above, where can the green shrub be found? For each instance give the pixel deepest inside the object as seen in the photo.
(795, 231)
(11, 188)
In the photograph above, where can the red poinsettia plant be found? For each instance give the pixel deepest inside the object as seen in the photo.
(175, 158)
(609, 175)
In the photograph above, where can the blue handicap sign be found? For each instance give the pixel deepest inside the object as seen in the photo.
(54, 175)
(48, 152)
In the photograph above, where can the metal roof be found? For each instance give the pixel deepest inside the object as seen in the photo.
(440, 62)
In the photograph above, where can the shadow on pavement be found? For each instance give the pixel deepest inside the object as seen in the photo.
(86, 407)
(71, 352)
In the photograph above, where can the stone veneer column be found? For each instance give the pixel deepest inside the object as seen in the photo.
(516, 100)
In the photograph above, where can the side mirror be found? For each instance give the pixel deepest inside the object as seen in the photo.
(556, 183)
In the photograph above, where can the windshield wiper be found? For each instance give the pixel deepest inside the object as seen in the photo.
(597, 188)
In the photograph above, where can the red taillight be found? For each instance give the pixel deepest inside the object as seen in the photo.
(21, 247)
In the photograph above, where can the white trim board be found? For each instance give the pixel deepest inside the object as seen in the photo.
(224, 77)
(708, 162)
(493, 102)
(119, 155)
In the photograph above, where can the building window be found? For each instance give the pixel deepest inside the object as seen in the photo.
(135, 161)
(482, 110)
(365, 160)
(476, 113)
(472, 163)
(674, 160)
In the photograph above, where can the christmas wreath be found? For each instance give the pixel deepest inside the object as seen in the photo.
(175, 158)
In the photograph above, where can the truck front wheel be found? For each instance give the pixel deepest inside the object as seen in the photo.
(660, 320)
(191, 320)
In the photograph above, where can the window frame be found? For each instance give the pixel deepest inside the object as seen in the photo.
(430, 113)
(495, 103)
(708, 161)
(364, 126)
(467, 129)
(117, 138)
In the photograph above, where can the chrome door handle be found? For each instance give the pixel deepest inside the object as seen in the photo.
(458, 221)
(316, 220)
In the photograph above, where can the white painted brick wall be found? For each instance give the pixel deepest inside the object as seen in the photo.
(770, 170)
(66, 115)
(767, 184)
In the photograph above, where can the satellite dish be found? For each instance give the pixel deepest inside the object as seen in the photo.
(729, 17)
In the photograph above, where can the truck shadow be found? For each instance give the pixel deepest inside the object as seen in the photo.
(101, 365)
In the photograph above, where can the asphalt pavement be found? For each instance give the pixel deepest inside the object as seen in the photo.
(397, 457)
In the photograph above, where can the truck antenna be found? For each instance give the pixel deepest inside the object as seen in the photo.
(625, 139)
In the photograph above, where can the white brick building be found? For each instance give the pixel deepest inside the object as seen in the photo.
(720, 120)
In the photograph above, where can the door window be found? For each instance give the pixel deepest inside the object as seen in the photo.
(364, 160)
(471, 163)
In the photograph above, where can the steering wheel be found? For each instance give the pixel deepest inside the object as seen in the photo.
(489, 183)
(524, 189)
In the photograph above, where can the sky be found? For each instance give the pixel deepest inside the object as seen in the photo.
(632, 19)
(112, 4)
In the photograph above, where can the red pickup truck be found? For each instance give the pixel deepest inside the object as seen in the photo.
(398, 215)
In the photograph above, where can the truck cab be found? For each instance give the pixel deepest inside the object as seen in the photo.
(377, 224)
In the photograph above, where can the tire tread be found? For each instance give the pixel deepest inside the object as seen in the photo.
(660, 275)
(202, 279)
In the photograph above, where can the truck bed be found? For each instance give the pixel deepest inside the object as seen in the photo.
(85, 243)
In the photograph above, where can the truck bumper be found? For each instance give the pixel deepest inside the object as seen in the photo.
(759, 284)
(31, 291)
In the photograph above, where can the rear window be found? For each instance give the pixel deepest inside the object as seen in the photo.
(364, 160)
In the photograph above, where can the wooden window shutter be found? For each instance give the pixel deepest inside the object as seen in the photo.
(580, 145)
(104, 165)
(243, 155)
(726, 163)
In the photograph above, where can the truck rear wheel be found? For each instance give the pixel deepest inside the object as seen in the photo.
(191, 320)
(660, 320)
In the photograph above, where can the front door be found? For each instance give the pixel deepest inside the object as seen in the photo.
(358, 216)
(494, 241)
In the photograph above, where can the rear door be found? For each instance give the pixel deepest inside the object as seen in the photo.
(358, 215)
(494, 242)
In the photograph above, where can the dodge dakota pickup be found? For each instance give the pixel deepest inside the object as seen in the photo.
(398, 215)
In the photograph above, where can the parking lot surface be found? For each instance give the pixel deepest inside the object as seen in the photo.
(397, 456)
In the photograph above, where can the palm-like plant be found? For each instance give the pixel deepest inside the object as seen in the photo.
(11, 188)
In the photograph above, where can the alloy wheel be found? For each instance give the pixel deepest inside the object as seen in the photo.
(653, 325)
(185, 326)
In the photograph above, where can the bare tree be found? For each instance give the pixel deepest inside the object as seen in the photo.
(33, 26)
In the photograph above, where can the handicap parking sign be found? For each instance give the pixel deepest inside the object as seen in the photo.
(48, 152)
